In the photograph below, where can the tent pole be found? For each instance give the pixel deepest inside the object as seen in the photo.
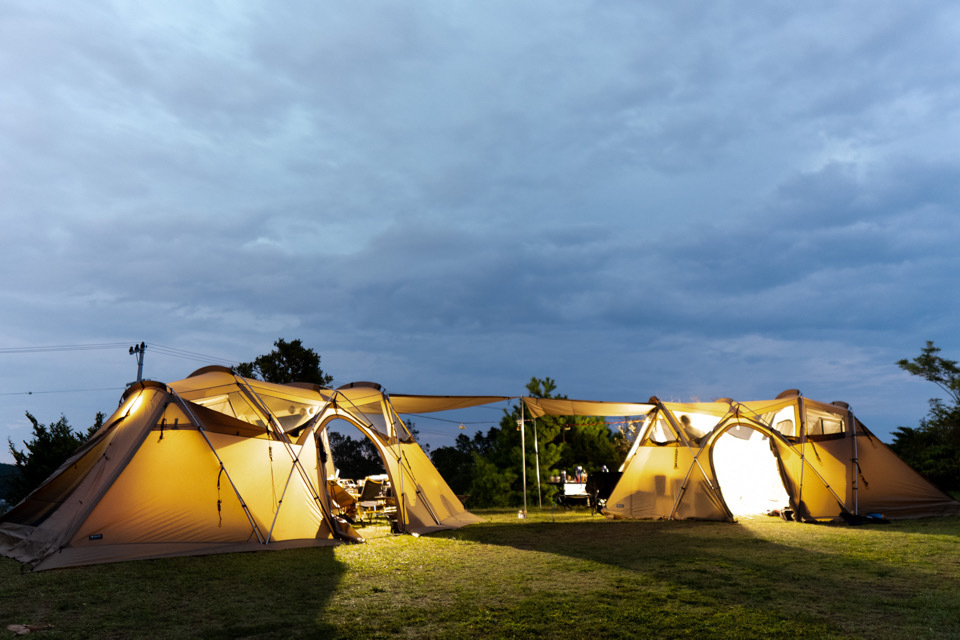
(243, 503)
(276, 514)
(851, 421)
(357, 417)
(394, 418)
(523, 460)
(803, 460)
(536, 448)
(696, 461)
(423, 497)
(390, 419)
(803, 443)
(281, 436)
(388, 412)
(401, 508)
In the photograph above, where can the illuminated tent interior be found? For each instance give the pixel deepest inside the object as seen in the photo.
(718, 460)
(218, 463)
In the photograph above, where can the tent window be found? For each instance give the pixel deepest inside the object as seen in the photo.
(661, 433)
(786, 427)
(233, 405)
(783, 421)
(290, 413)
(696, 425)
(821, 423)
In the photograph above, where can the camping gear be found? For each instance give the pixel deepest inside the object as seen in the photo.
(600, 485)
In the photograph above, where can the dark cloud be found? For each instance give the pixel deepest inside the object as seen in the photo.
(688, 201)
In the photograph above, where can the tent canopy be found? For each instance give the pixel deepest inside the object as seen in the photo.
(563, 407)
(408, 404)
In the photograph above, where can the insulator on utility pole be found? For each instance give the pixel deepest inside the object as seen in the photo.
(138, 350)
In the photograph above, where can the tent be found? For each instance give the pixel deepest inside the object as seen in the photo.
(716, 460)
(219, 463)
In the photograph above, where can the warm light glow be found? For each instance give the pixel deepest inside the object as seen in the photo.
(747, 474)
(134, 404)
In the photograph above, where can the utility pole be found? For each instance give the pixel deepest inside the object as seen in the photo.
(139, 350)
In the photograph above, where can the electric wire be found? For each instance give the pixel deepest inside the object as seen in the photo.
(152, 347)
(189, 355)
(36, 393)
(66, 347)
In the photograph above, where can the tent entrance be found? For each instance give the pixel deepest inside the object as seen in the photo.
(357, 450)
(747, 472)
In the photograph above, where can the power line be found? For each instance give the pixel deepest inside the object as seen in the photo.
(159, 348)
(65, 347)
(188, 355)
(37, 393)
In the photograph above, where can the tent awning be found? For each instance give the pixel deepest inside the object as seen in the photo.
(403, 403)
(564, 407)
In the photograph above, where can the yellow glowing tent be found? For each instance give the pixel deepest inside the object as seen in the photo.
(218, 463)
(714, 461)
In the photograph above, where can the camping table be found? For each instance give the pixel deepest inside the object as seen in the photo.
(571, 494)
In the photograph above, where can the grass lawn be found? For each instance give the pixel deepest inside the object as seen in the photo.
(554, 575)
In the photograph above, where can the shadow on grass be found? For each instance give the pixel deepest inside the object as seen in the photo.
(270, 594)
(859, 581)
(553, 575)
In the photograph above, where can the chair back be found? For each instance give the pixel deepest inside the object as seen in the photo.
(371, 490)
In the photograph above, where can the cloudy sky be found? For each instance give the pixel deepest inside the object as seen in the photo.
(689, 200)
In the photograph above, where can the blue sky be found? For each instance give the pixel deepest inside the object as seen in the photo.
(689, 201)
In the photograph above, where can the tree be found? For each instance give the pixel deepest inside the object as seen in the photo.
(942, 372)
(556, 442)
(288, 362)
(49, 448)
(354, 458)
(491, 486)
(456, 464)
(933, 448)
(591, 444)
(626, 435)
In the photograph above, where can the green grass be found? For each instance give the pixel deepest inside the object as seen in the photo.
(553, 575)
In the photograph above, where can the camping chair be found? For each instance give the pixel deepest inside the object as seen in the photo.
(370, 499)
(389, 503)
(345, 504)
